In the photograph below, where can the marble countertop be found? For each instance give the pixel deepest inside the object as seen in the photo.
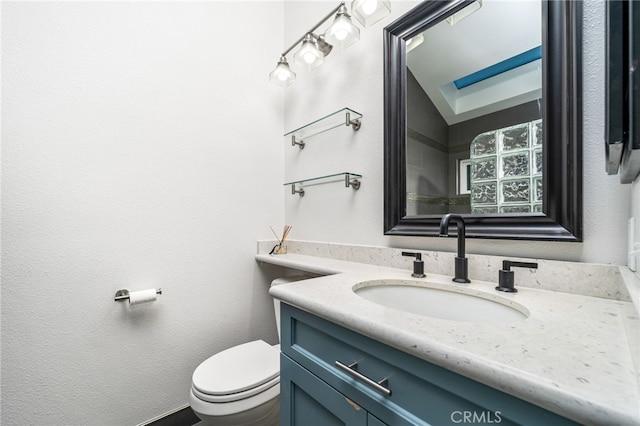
(572, 355)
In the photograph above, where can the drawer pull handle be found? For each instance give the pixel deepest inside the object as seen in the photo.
(351, 370)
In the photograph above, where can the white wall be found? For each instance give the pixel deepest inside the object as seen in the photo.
(354, 78)
(140, 148)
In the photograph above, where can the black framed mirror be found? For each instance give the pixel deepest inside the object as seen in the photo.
(558, 216)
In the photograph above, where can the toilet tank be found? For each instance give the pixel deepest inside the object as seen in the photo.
(276, 302)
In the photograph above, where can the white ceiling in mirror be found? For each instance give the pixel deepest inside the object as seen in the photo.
(496, 32)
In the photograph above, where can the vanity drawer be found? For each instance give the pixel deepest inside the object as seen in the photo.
(411, 391)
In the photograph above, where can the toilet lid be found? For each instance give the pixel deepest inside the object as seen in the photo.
(238, 369)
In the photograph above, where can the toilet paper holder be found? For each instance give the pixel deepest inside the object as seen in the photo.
(124, 294)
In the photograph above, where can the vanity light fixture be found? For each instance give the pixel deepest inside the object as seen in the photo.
(414, 42)
(342, 33)
(322, 44)
(368, 12)
(282, 75)
(309, 55)
(459, 16)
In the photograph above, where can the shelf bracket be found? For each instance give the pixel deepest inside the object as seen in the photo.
(351, 182)
(294, 142)
(295, 191)
(355, 124)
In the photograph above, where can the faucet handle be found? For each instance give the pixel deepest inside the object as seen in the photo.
(507, 264)
(506, 277)
(418, 264)
(418, 256)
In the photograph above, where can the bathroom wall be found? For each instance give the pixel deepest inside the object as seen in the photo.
(141, 147)
(427, 154)
(353, 78)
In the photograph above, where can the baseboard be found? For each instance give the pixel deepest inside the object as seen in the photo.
(181, 416)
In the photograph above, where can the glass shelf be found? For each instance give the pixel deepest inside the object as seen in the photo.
(343, 117)
(349, 179)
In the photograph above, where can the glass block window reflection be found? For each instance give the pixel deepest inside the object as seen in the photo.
(506, 170)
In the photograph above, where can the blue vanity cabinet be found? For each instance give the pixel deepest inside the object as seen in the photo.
(315, 390)
(306, 400)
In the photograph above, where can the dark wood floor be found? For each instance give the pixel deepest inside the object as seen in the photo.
(184, 417)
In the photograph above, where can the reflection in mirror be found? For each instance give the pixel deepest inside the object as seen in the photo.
(474, 127)
(508, 155)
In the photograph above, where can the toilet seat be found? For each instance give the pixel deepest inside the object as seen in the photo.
(235, 396)
(237, 373)
(257, 403)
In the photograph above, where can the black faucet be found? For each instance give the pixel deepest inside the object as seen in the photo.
(506, 281)
(418, 264)
(461, 262)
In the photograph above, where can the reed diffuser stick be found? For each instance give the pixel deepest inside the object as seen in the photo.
(274, 233)
(280, 248)
(285, 233)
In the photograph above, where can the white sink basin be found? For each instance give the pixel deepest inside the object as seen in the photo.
(450, 302)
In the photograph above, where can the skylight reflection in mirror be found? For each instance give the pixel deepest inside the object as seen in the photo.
(472, 86)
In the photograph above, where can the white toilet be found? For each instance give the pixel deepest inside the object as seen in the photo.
(240, 385)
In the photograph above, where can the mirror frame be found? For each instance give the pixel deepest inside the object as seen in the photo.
(561, 217)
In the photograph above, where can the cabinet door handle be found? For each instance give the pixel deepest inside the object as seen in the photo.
(351, 370)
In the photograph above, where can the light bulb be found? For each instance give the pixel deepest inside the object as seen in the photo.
(341, 34)
(309, 57)
(367, 12)
(369, 6)
(282, 75)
